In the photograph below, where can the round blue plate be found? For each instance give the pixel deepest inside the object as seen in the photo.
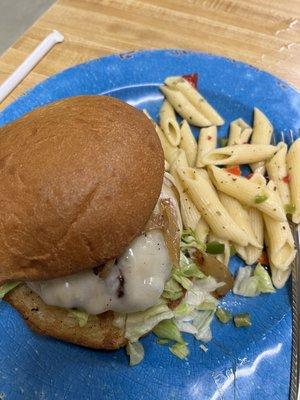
(252, 363)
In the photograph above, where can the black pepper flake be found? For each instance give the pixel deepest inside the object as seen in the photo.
(35, 309)
(234, 179)
(283, 228)
(190, 117)
(223, 227)
(274, 209)
(120, 290)
(218, 213)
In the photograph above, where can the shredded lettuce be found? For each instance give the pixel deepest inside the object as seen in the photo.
(7, 287)
(178, 275)
(264, 280)
(182, 310)
(142, 322)
(202, 322)
(172, 290)
(208, 305)
(81, 317)
(251, 282)
(180, 350)
(136, 353)
(168, 330)
(189, 240)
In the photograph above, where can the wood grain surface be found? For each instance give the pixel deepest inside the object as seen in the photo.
(263, 33)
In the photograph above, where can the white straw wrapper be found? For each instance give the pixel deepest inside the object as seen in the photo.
(29, 63)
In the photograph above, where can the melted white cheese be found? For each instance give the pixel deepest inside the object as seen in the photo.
(145, 267)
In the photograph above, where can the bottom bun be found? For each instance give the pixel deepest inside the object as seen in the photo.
(98, 333)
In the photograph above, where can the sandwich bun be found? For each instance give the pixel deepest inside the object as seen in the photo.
(98, 333)
(79, 180)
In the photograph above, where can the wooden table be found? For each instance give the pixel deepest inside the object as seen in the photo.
(265, 33)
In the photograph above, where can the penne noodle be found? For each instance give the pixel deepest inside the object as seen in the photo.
(261, 134)
(281, 245)
(195, 98)
(184, 108)
(168, 149)
(250, 254)
(253, 253)
(293, 158)
(225, 257)
(169, 124)
(240, 215)
(239, 154)
(188, 143)
(210, 207)
(190, 214)
(247, 192)
(239, 132)
(207, 141)
(277, 172)
(279, 277)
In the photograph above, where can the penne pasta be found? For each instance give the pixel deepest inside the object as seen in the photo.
(279, 277)
(240, 215)
(195, 98)
(261, 134)
(207, 141)
(210, 207)
(239, 154)
(239, 132)
(277, 172)
(293, 158)
(188, 143)
(184, 108)
(281, 246)
(224, 257)
(169, 124)
(247, 192)
(168, 149)
(250, 254)
(190, 214)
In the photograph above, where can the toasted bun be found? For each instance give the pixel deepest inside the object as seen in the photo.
(98, 333)
(79, 179)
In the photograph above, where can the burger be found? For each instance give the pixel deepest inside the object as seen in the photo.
(89, 223)
(92, 248)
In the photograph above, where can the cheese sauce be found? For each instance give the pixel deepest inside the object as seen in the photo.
(134, 283)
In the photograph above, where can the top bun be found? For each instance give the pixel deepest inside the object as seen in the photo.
(79, 179)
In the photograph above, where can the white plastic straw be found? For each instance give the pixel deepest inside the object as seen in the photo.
(29, 63)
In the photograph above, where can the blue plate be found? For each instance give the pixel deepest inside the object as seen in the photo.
(252, 363)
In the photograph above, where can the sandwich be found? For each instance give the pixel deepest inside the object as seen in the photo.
(92, 248)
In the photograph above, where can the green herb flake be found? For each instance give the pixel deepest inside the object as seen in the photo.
(242, 320)
(215, 248)
(260, 198)
(223, 315)
(289, 208)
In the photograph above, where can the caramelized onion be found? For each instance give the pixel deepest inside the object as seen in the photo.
(171, 230)
(209, 265)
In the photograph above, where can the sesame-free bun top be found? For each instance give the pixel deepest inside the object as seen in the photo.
(79, 179)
